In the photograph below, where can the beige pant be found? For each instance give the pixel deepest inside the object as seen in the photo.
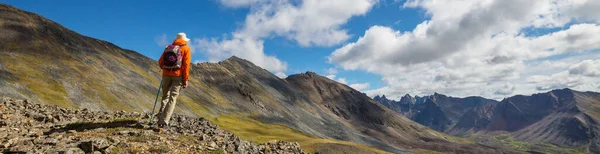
(171, 87)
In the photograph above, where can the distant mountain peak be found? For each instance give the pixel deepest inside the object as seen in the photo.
(562, 90)
(237, 60)
(376, 97)
(307, 75)
(311, 74)
(435, 94)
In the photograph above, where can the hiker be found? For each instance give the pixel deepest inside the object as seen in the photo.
(175, 65)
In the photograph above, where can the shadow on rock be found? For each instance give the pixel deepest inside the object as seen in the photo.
(82, 126)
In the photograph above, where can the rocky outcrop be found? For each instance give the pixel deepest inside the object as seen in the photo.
(27, 127)
(436, 111)
(474, 120)
(432, 115)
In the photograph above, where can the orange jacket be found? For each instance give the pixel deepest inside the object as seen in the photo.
(185, 66)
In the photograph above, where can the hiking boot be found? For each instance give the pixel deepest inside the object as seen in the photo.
(165, 127)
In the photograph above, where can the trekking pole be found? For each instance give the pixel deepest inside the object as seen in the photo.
(157, 93)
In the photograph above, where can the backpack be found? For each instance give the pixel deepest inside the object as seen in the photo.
(172, 57)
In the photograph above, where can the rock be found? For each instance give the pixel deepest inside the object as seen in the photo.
(110, 149)
(212, 146)
(113, 140)
(36, 133)
(142, 126)
(100, 143)
(230, 148)
(21, 147)
(87, 146)
(51, 141)
(74, 151)
(204, 137)
(49, 118)
(123, 132)
(5, 145)
(92, 145)
(134, 133)
(36, 116)
(23, 136)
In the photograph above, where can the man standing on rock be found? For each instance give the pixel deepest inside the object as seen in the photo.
(175, 64)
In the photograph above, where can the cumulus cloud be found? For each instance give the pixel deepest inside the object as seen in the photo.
(360, 86)
(477, 47)
(588, 67)
(161, 40)
(281, 75)
(342, 80)
(331, 76)
(505, 90)
(246, 48)
(331, 71)
(309, 23)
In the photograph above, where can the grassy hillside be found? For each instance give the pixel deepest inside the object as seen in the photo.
(41, 60)
(507, 141)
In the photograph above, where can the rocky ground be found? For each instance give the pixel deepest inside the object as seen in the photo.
(27, 127)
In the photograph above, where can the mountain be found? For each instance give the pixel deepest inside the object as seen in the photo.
(42, 61)
(544, 121)
(562, 117)
(475, 119)
(437, 111)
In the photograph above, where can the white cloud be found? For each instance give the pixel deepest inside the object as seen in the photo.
(589, 68)
(332, 77)
(357, 86)
(281, 75)
(161, 40)
(312, 22)
(477, 48)
(331, 71)
(342, 80)
(360, 86)
(249, 49)
(309, 23)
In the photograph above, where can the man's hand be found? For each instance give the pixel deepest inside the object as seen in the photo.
(185, 84)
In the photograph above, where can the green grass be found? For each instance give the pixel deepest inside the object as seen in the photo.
(217, 151)
(507, 141)
(256, 131)
(37, 82)
(142, 138)
(159, 149)
(511, 143)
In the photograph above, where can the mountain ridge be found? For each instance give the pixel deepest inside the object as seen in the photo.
(437, 111)
(563, 117)
(61, 67)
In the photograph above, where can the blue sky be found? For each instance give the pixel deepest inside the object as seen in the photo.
(136, 25)
(387, 47)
